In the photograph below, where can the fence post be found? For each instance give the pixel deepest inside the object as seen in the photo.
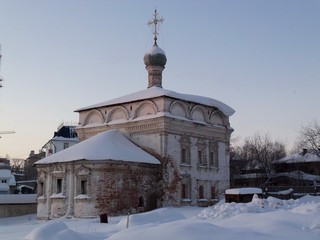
(128, 217)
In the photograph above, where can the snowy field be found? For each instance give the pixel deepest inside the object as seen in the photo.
(260, 219)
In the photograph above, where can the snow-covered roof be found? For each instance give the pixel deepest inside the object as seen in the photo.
(108, 145)
(5, 174)
(243, 191)
(299, 175)
(154, 92)
(58, 138)
(299, 157)
(25, 186)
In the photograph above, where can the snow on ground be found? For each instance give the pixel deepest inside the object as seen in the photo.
(262, 219)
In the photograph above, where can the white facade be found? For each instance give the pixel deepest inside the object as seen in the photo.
(188, 134)
(57, 144)
(164, 126)
(106, 173)
(7, 181)
(61, 140)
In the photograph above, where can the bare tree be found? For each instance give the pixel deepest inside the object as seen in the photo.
(260, 152)
(237, 164)
(309, 137)
(17, 165)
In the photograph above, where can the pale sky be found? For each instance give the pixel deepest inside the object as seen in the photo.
(262, 58)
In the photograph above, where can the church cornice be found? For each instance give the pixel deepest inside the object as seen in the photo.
(154, 93)
(159, 124)
(146, 125)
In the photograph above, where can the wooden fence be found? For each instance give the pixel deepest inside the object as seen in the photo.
(287, 192)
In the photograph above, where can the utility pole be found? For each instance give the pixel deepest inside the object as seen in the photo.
(0, 68)
(1, 79)
(6, 132)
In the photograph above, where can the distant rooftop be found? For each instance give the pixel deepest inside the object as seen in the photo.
(68, 124)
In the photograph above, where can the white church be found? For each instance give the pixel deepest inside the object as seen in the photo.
(145, 150)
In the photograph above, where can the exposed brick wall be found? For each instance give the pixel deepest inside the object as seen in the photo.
(120, 186)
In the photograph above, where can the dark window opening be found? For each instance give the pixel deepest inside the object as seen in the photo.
(141, 202)
(211, 159)
(200, 157)
(183, 155)
(201, 192)
(183, 191)
(83, 187)
(59, 185)
(213, 192)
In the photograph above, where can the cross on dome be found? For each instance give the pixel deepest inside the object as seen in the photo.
(155, 22)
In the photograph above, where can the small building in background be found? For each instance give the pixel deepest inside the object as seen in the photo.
(7, 179)
(298, 169)
(241, 195)
(64, 137)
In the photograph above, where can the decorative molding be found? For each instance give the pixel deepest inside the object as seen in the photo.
(201, 110)
(92, 114)
(217, 118)
(116, 112)
(146, 105)
(147, 126)
(42, 175)
(177, 107)
(82, 171)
